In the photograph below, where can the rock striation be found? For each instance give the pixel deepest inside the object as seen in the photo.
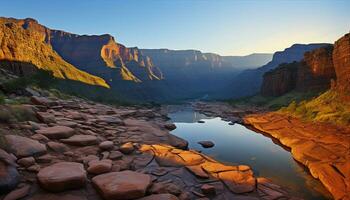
(341, 61)
(323, 148)
(314, 72)
(249, 82)
(103, 56)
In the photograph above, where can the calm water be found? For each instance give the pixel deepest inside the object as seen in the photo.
(236, 144)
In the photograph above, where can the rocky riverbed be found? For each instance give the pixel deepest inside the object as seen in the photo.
(76, 150)
(323, 148)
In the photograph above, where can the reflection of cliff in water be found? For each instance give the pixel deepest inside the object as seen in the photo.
(184, 114)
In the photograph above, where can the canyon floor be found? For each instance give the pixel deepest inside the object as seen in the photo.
(76, 149)
(322, 147)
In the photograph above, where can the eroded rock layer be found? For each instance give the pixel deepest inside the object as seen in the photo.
(323, 148)
(314, 72)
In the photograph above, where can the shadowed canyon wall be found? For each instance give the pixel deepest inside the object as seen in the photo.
(317, 70)
(249, 82)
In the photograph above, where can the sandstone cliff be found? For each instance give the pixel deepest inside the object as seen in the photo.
(24, 48)
(100, 55)
(249, 82)
(341, 61)
(314, 72)
(95, 53)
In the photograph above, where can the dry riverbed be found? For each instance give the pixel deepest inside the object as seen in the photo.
(78, 150)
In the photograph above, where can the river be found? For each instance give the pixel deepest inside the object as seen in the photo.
(236, 144)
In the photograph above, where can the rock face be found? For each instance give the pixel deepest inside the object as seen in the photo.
(25, 49)
(314, 72)
(341, 60)
(249, 82)
(62, 176)
(103, 56)
(323, 148)
(122, 185)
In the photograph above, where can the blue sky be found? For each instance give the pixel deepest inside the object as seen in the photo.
(226, 27)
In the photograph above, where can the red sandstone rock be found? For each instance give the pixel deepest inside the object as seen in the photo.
(80, 140)
(100, 166)
(62, 176)
(341, 61)
(56, 132)
(24, 147)
(122, 185)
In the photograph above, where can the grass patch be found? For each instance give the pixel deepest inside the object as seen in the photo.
(328, 107)
(16, 113)
(275, 103)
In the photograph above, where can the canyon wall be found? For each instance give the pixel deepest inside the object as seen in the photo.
(313, 73)
(24, 48)
(97, 53)
(249, 82)
(341, 61)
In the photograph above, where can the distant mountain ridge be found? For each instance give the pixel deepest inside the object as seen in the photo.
(249, 82)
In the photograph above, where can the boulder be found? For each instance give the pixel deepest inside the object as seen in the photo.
(122, 185)
(106, 145)
(99, 166)
(177, 142)
(206, 144)
(80, 140)
(165, 187)
(58, 147)
(62, 176)
(208, 189)
(24, 147)
(170, 126)
(56, 132)
(18, 193)
(46, 117)
(114, 155)
(26, 162)
(9, 176)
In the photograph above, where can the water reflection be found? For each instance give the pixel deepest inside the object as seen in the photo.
(236, 144)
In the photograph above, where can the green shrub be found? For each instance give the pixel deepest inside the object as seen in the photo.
(16, 113)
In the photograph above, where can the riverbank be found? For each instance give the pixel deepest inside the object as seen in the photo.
(105, 150)
(323, 148)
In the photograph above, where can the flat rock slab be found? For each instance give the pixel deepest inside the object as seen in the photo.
(24, 147)
(62, 176)
(122, 185)
(56, 132)
(58, 147)
(80, 140)
(238, 182)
